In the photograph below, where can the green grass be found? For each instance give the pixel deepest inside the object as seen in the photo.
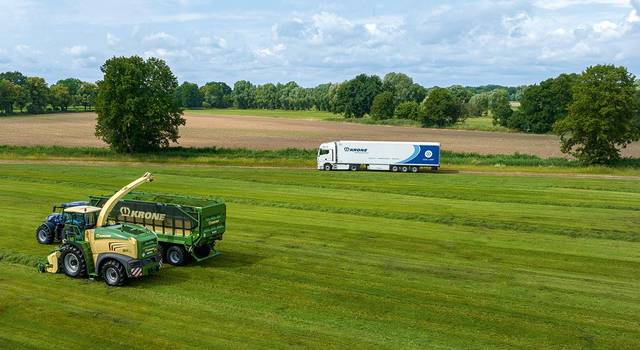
(481, 124)
(342, 260)
(274, 113)
(292, 157)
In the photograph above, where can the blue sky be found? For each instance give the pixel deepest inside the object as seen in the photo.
(311, 42)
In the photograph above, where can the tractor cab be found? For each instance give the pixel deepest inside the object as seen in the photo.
(77, 219)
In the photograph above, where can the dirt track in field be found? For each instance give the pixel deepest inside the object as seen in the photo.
(77, 129)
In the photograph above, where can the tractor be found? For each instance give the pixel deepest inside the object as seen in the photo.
(90, 247)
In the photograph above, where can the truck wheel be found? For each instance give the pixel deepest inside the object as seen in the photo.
(414, 169)
(353, 167)
(45, 234)
(73, 263)
(434, 168)
(394, 168)
(175, 255)
(113, 273)
(327, 167)
(202, 251)
(405, 169)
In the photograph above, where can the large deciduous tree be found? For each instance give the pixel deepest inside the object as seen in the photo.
(542, 104)
(216, 94)
(500, 107)
(136, 106)
(440, 108)
(59, 97)
(189, 96)
(602, 117)
(244, 94)
(354, 97)
(38, 95)
(8, 95)
(383, 106)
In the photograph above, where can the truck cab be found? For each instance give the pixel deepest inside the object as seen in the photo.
(326, 156)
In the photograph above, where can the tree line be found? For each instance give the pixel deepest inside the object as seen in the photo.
(33, 94)
(395, 95)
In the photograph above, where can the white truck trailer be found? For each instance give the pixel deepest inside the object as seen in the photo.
(379, 155)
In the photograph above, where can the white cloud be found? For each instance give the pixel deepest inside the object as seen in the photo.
(270, 51)
(166, 53)
(112, 40)
(76, 50)
(161, 37)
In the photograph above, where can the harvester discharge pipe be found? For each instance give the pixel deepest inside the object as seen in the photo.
(111, 202)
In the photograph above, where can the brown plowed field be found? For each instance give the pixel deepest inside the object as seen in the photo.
(77, 129)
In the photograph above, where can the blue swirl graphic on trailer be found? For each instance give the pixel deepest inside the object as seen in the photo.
(423, 155)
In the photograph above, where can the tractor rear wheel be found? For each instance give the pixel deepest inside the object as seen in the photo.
(113, 273)
(45, 234)
(175, 255)
(73, 263)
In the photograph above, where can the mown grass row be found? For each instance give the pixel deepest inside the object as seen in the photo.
(327, 260)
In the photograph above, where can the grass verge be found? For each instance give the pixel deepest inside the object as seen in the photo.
(293, 157)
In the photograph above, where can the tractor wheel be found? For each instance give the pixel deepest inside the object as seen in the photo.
(353, 167)
(327, 167)
(405, 169)
(175, 255)
(45, 234)
(113, 273)
(73, 263)
(394, 168)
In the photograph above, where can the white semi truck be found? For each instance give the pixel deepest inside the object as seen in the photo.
(379, 155)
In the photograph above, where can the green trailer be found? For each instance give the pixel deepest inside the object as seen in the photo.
(185, 226)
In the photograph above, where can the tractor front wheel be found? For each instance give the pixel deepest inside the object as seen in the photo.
(113, 273)
(175, 255)
(73, 263)
(44, 234)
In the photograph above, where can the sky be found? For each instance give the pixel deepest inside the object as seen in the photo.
(312, 42)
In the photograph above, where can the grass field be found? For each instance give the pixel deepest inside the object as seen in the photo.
(343, 260)
(481, 124)
(273, 113)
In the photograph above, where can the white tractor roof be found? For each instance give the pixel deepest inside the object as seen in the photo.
(82, 209)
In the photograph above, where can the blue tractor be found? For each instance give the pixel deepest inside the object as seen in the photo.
(51, 230)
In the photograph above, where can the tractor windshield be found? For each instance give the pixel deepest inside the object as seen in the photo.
(90, 220)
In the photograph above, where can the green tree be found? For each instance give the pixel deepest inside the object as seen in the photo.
(602, 117)
(440, 108)
(354, 97)
(216, 95)
(542, 104)
(189, 96)
(500, 107)
(16, 78)
(38, 93)
(267, 96)
(136, 106)
(72, 84)
(417, 93)
(478, 104)
(244, 94)
(87, 94)
(59, 97)
(400, 85)
(8, 95)
(383, 106)
(408, 110)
